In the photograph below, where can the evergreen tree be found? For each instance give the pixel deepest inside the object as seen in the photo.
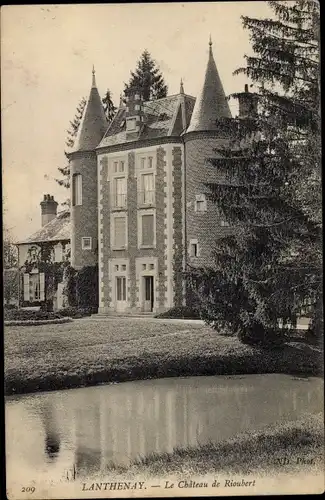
(9, 249)
(270, 265)
(109, 107)
(10, 265)
(148, 78)
(70, 140)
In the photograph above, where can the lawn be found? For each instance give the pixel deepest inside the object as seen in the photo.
(280, 448)
(90, 351)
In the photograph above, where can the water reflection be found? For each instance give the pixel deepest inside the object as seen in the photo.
(51, 429)
(89, 429)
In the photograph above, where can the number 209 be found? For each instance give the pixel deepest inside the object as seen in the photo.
(28, 489)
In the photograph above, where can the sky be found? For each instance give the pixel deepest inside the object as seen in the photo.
(47, 53)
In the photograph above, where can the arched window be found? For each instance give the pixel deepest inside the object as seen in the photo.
(76, 189)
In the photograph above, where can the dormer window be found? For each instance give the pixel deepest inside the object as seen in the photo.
(130, 124)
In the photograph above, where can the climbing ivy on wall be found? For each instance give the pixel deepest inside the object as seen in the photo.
(81, 287)
(42, 258)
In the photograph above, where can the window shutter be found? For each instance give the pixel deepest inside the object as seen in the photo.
(58, 253)
(42, 286)
(119, 235)
(147, 230)
(26, 287)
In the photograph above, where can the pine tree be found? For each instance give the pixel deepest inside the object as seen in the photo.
(109, 107)
(70, 140)
(148, 78)
(270, 265)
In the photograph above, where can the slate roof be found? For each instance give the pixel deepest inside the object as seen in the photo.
(57, 229)
(93, 123)
(161, 119)
(211, 103)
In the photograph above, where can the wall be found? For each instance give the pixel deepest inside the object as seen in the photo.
(203, 226)
(84, 218)
(61, 252)
(159, 259)
(59, 249)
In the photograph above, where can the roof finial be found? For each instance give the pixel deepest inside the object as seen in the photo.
(93, 79)
(210, 45)
(181, 89)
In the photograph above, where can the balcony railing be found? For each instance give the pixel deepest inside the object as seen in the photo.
(119, 201)
(146, 198)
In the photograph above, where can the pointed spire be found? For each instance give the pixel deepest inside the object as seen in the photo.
(93, 123)
(121, 101)
(93, 83)
(211, 102)
(181, 88)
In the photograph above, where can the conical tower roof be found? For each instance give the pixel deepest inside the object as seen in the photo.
(211, 102)
(93, 123)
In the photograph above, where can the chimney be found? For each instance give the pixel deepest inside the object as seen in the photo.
(48, 209)
(134, 112)
(247, 104)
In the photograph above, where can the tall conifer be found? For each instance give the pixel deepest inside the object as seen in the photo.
(70, 140)
(148, 78)
(270, 266)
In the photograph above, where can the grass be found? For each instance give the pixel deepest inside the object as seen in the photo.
(248, 453)
(89, 352)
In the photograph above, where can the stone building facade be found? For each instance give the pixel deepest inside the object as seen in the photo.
(139, 206)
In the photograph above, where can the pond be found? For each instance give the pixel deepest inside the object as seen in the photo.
(89, 429)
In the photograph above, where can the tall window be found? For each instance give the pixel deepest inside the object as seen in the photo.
(194, 248)
(119, 232)
(147, 236)
(119, 194)
(34, 285)
(120, 288)
(147, 191)
(76, 189)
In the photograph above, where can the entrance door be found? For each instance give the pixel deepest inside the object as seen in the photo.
(148, 294)
(120, 293)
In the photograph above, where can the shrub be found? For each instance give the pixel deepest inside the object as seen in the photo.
(10, 306)
(82, 288)
(56, 321)
(182, 312)
(75, 312)
(29, 315)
